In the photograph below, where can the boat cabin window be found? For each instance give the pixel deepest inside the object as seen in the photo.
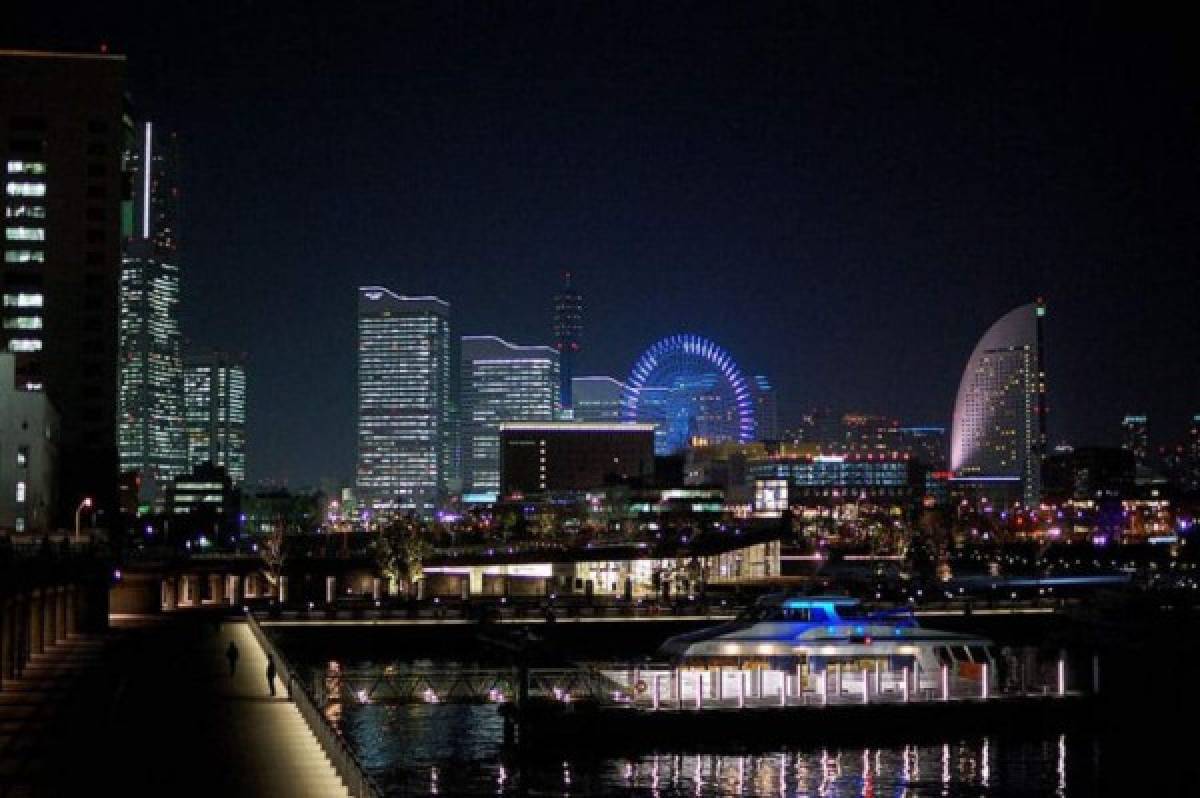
(960, 654)
(943, 655)
(978, 654)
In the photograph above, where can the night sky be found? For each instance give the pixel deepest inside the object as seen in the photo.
(843, 195)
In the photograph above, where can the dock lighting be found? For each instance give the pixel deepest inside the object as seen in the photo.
(430, 696)
(866, 686)
(904, 689)
(983, 689)
(1062, 676)
(362, 697)
(945, 683)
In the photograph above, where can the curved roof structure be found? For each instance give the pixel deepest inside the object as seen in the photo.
(689, 387)
(999, 413)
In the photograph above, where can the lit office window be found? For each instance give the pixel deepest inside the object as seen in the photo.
(25, 212)
(25, 189)
(27, 167)
(22, 300)
(20, 492)
(24, 234)
(23, 323)
(24, 345)
(24, 256)
(22, 456)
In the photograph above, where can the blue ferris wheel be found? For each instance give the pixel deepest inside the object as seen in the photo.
(689, 388)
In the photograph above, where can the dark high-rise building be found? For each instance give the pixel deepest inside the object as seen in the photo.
(215, 403)
(1135, 437)
(150, 427)
(62, 133)
(568, 325)
(766, 408)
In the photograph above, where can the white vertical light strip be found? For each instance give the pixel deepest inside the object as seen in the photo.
(146, 184)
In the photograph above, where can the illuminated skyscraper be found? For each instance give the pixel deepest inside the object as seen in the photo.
(215, 402)
(999, 431)
(150, 427)
(501, 382)
(568, 325)
(403, 401)
(61, 137)
(596, 398)
(1135, 437)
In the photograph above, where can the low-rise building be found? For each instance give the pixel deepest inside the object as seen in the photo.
(573, 457)
(28, 456)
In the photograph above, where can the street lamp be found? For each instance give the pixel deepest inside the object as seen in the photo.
(83, 505)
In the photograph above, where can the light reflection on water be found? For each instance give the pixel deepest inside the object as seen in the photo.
(458, 750)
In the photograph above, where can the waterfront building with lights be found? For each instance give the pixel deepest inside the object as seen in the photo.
(500, 382)
(692, 391)
(150, 426)
(215, 408)
(999, 430)
(403, 401)
(62, 130)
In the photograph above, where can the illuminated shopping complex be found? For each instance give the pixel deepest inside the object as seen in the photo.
(691, 390)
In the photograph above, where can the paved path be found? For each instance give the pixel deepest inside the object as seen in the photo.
(156, 713)
(206, 733)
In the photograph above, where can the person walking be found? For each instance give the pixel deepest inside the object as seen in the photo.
(231, 654)
(271, 674)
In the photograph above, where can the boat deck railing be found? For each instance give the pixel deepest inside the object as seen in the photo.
(664, 686)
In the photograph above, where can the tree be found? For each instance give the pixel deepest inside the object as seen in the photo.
(274, 553)
(400, 552)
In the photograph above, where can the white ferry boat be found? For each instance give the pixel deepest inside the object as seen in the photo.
(824, 648)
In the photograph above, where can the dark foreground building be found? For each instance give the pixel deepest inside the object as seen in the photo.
(571, 457)
(62, 131)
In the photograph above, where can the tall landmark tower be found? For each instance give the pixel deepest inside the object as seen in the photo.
(150, 399)
(568, 324)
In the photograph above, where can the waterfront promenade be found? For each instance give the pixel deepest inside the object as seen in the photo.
(151, 709)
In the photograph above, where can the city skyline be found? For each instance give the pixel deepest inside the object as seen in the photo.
(967, 209)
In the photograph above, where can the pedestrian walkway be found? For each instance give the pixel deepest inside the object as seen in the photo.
(152, 710)
(206, 733)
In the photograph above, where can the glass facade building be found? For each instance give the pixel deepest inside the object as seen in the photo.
(841, 477)
(596, 398)
(150, 424)
(999, 429)
(215, 402)
(500, 382)
(404, 444)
